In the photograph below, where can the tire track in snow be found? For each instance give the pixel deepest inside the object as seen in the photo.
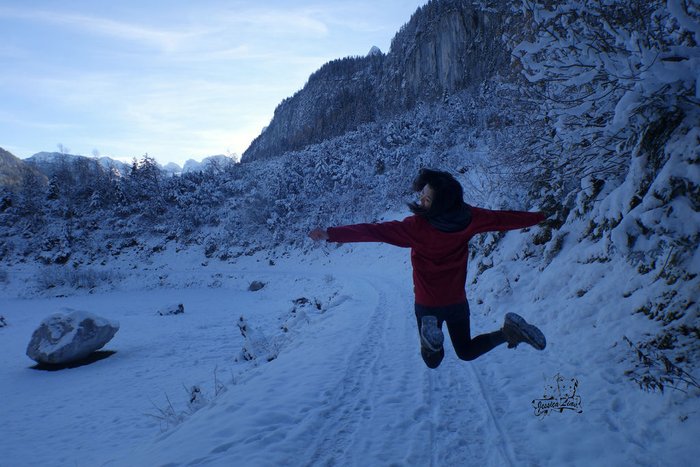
(375, 414)
(506, 445)
(347, 402)
(386, 408)
(465, 431)
(434, 416)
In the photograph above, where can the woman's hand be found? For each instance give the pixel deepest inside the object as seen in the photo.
(318, 234)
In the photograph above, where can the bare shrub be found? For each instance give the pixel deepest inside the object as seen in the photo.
(79, 278)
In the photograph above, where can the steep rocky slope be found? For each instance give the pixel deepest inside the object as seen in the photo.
(447, 46)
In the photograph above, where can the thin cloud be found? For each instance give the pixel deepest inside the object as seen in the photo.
(198, 78)
(279, 21)
(241, 52)
(12, 120)
(160, 38)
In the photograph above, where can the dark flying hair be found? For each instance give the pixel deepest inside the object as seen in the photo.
(448, 193)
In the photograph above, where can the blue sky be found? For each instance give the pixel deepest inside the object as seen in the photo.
(175, 79)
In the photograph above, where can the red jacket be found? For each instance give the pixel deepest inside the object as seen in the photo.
(439, 258)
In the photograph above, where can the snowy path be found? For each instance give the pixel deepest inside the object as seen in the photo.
(389, 409)
(348, 387)
(365, 398)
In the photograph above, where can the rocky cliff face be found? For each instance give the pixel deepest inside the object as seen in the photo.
(447, 45)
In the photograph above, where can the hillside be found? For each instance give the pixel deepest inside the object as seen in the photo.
(14, 172)
(447, 46)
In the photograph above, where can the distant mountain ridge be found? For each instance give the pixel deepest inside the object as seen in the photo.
(447, 46)
(219, 161)
(48, 162)
(13, 170)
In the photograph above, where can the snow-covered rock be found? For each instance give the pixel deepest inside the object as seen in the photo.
(64, 338)
(172, 310)
(255, 286)
(257, 345)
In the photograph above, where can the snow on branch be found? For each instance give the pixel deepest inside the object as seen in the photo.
(609, 66)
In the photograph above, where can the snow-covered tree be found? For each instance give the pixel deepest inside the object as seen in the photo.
(605, 71)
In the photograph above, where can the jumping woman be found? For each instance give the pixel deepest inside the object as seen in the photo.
(438, 234)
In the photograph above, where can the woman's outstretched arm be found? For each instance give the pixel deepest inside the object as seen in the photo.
(394, 232)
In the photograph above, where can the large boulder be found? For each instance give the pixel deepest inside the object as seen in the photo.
(66, 338)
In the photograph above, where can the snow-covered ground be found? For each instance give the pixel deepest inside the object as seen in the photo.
(347, 386)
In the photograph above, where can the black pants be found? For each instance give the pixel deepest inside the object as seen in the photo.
(457, 319)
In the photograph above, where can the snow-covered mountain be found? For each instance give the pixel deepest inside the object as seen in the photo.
(49, 162)
(374, 51)
(216, 163)
(445, 47)
(599, 129)
(172, 168)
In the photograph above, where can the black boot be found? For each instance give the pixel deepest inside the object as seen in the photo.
(517, 330)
